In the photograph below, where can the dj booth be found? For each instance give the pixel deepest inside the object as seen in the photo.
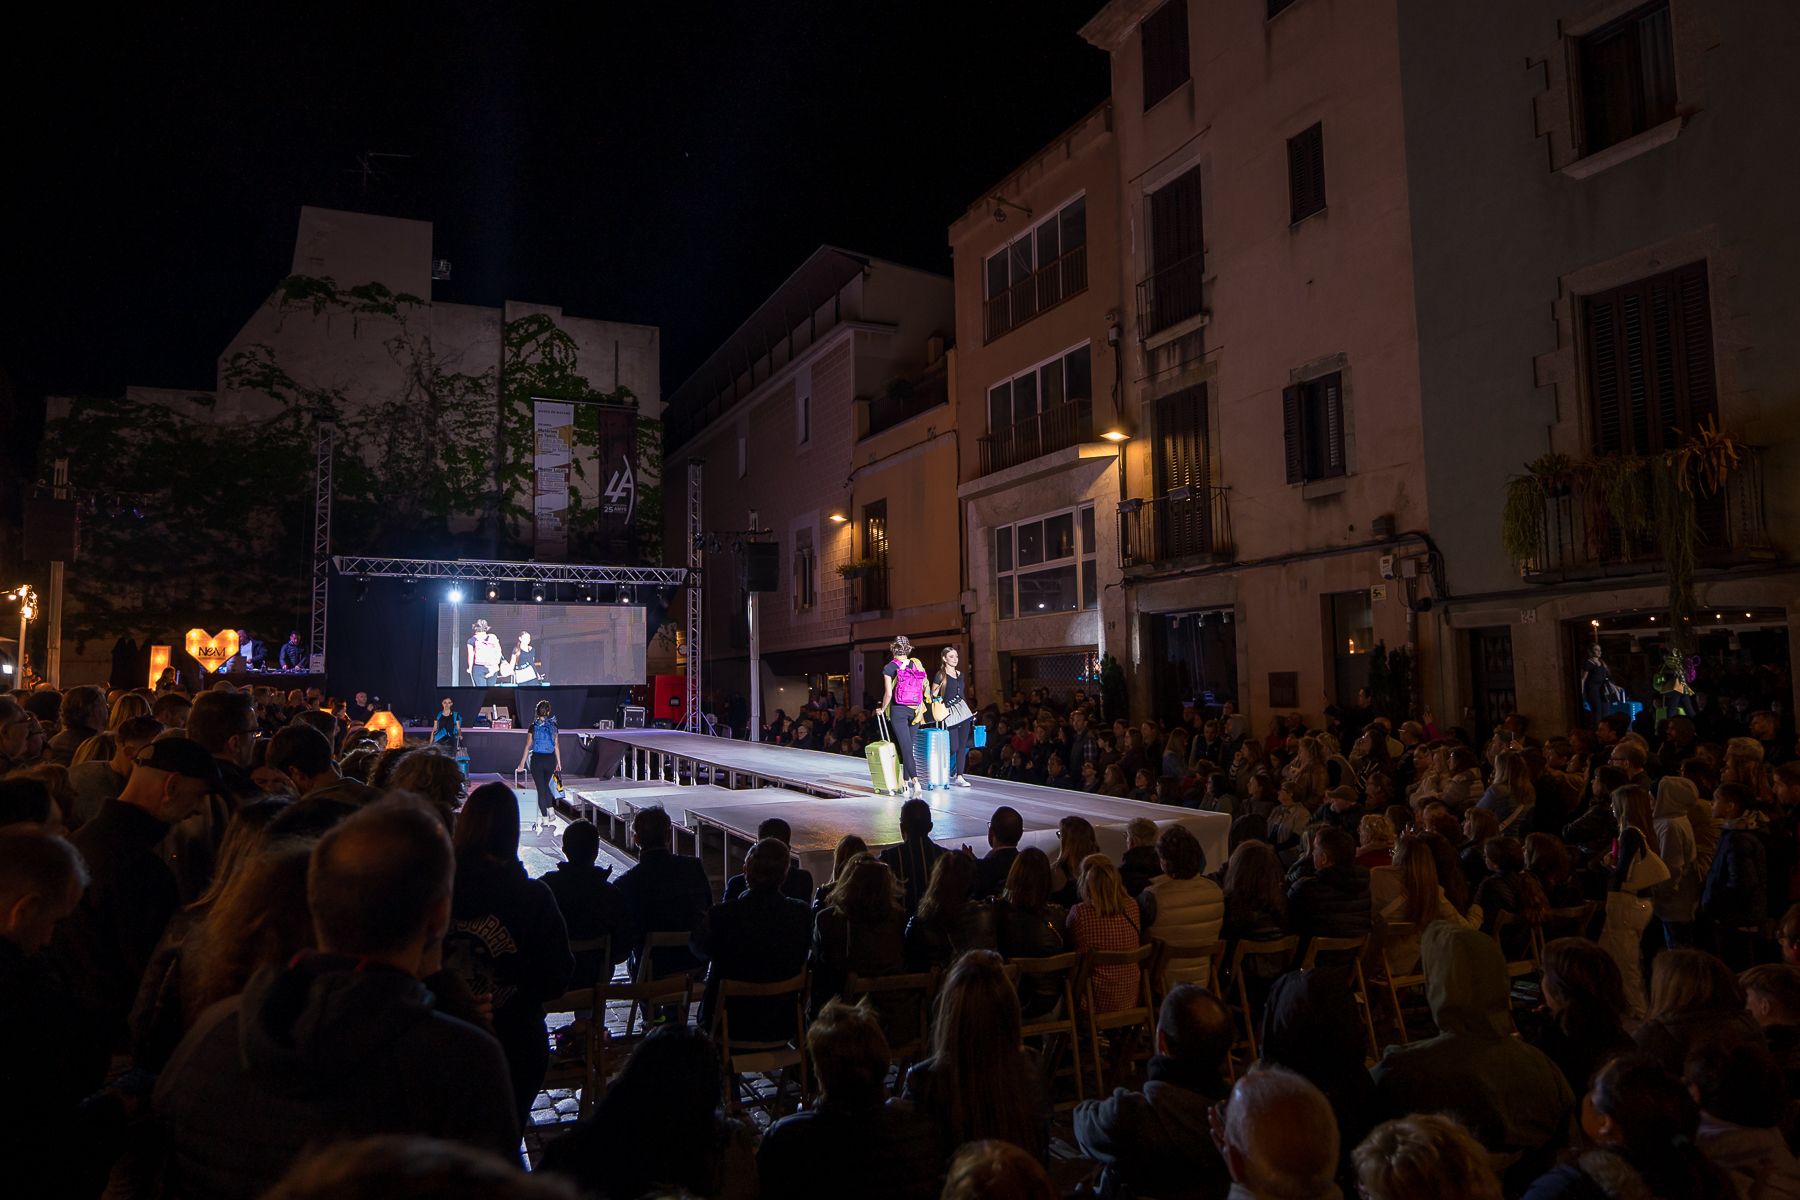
(497, 751)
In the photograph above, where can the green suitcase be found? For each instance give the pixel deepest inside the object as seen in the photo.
(884, 761)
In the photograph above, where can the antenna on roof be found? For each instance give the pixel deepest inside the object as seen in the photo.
(369, 171)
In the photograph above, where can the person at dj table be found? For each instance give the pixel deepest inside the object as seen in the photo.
(484, 655)
(293, 654)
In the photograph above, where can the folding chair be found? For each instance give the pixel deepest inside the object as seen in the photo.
(1354, 948)
(1517, 967)
(579, 1001)
(1398, 931)
(646, 968)
(671, 993)
(1183, 957)
(1565, 922)
(1243, 952)
(1130, 1017)
(923, 986)
(1052, 1026)
(768, 1058)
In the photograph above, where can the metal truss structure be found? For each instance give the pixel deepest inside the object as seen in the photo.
(323, 442)
(481, 570)
(695, 719)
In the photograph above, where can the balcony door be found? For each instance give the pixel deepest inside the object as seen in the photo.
(1183, 476)
(1176, 260)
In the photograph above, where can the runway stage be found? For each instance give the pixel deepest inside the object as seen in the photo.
(720, 790)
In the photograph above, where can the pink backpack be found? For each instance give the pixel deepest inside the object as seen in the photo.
(909, 685)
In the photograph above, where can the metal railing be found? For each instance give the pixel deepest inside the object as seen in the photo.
(869, 590)
(1055, 428)
(1173, 293)
(1579, 539)
(1039, 291)
(907, 398)
(1186, 523)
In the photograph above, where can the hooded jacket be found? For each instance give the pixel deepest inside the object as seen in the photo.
(1736, 890)
(1510, 1095)
(326, 1049)
(1679, 898)
(1155, 1142)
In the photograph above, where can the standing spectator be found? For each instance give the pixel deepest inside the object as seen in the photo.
(978, 1081)
(225, 724)
(591, 906)
(761, 937)
(99, 780)
(1634, 870)
(1182, 906)
(1582, 1023)
(1422, 1157)
(799, 881)
(83, 715)
(343, 1042)
(1677, 902)
(1155, 1142)
(1278, 1138)
(1105, 918)
(1693, 997)
(664, 893)
(1736, 890)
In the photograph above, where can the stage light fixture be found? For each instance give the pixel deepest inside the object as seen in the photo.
(454, 595)
(409, 590)
(624, 596)
(493, 592)
(362, 588)
(537, 594)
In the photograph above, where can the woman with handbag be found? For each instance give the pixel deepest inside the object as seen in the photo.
(543, 758)
(950, 708)
(1634, 868)
(523, 667)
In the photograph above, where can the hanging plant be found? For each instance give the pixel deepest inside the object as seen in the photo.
(1554, 472)
(1522, 520)
(1705, 458)
(1622, 484)
(857, 568)
(1676, 530)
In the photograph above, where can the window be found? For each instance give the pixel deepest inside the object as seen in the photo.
(1649, 361)
(1276, 6)
(1042, 267)
(1312, 422)
(1306, 174)
(1353, 637)
(1046, 565)
(1043, 389)
(1183, 474)
(872, 591)
(802, 410)
(1173, 292)
(1627, 77)
(805, 571)
(1164, 34)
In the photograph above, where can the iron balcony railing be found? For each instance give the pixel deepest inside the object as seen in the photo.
(907, 398)
(1173, 293)
(1578, 538)
(1038, 292)
(869, 590)
(1187, 522)
(1055, 428)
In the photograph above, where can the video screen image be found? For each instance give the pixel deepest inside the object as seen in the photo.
(540, 645)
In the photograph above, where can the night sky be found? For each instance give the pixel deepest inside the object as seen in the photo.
(663, 163)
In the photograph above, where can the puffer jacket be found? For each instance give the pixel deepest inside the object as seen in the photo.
(1736, 891)
(1333, 903)
(1187, 912)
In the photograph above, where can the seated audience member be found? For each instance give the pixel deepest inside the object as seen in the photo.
(1106, 919)
(1255, 893)
(978, 1081)
(99, 780)
(1139, 865)
(1743, 1098)
(912, 859)
(862, 931)
(225, 724)
(1423, 1157)
(658, 1129)
(853, 1131)
(507, 938)
(1029, 925)
(382, 1168)
(1375, 838)
(799, 881)
(1478, 828)
(261, 919)
(1075, 841)
(1287, 822)
(1312, 1026)
(848, 847)
(1641, 1123)
(1005, 829)
(592, 908)
(1333, 901)
(1182, 906)
(1693, 998)
(996, 1170)
(1509, 888)
(1582, 1022)
(951, 919)
(1772, 997)
(1278, 1138)
(1406, 898)
(1156, 1142)
(345, 1041)
(1547, 858)
(761, 937)
(303, 755)
(1343, 809)
(50, 1061)
(105, 945)
(1510, 1095)
(664, 893)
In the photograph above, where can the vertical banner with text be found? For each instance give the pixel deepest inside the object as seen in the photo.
(616, 458)
(553, 428)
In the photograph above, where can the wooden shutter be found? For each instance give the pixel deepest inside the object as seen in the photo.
(1331, 404)
(1695, 373)
(1649, 351)
(1293, 435)
(1306, 173)
(1175, 220)
(1600, 331)
(1181, 461)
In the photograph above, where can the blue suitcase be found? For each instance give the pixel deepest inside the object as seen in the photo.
(934, 757)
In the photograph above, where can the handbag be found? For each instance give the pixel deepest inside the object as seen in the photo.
(556, 788)
(939, 710)
(524, 675)
(956, 713)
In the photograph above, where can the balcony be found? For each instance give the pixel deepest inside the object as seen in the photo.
(907, 398)
(868, 589)
(1187, 523)
(1038, 292)
(1171, 295)
(1577, 537)
(1053, 429)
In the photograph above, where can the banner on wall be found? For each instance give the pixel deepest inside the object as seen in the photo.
(616, 477)
(553, 450)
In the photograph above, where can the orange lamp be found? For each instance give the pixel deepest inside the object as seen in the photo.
(386, 722)
(159, 662)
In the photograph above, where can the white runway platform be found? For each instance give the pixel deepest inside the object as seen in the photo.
(722, 789)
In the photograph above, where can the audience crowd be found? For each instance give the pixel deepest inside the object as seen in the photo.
(247, 949)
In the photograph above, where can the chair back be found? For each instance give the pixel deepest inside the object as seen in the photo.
(662, 940)
(1057, 1031)
(1247, 949)
(1177, 955)
(1516, 967)
(1327, 945)
(730, 989)
(923, 985)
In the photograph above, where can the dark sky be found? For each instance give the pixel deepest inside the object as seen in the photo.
(658, 162)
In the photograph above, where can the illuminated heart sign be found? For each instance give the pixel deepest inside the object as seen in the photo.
(212, 649)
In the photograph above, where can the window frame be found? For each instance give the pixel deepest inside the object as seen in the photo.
(1628, 25)
(1308, 412)
(1306, 173)
(1084, 560)
(805, 574)
(1030, 233)
(1691, 366)
(1151, 33)
(1036, 370)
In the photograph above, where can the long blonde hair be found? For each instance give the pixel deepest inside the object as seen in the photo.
(125, 708)
(1511, 769)
(1686, 981)
(1101, 887)
(1418, 880)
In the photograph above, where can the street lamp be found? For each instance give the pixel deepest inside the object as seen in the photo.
(27, 599)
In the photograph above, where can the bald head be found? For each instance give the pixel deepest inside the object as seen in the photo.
(1281, 1136)
(380, 881)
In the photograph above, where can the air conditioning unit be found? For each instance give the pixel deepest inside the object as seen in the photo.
(440, 269)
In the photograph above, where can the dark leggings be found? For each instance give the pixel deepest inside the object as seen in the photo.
(542, 766)
(959, 746)
(906, 738)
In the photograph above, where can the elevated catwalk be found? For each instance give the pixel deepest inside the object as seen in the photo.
(722, 789)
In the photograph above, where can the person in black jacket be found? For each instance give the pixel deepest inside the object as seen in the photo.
(761, 937)
(507, 939)
(799, 881)
(344, 1042)
(1736, 891)
(1334, 900)
(1028, 925)
(1005, 829)
(664, 893)
(591, 906)
(912, 859)
(854, 1131)
(951, 919)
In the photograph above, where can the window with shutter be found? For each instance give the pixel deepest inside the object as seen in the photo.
(1175, 289)
(1291, 435)
(1164, 40)
(1627, 77)
(1306, 174)
(1649, 354)
(1312, 428)
(1181, 463)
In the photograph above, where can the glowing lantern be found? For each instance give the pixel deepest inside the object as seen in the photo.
(386, 722)
(213, 650)
(159, 662)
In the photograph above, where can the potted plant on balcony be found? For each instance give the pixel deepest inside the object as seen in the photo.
(1546, 477)
(857, 568)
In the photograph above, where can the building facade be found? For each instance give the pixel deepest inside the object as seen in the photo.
(828, 418)
(1038, 326)
(1271, 533)
(1603, 257)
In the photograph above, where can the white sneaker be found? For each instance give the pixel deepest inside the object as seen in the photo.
(959, 781)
